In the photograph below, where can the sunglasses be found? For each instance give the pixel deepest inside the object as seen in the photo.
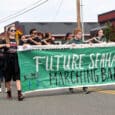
(12, 30)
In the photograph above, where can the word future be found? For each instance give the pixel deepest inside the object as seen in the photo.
(74, 61)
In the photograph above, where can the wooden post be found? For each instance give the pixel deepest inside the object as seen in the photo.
(78, 5)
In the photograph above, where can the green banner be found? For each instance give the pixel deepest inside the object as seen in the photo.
(63, 67)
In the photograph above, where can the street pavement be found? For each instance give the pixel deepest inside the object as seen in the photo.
(100, 101)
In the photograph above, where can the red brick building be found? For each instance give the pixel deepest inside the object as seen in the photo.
(107, 17)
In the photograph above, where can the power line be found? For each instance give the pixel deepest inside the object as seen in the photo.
(23, 12)
(20, 11)
(58, 9)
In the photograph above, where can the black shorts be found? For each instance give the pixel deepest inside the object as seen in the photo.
(1, 67)
(1, 63)
(12, 71)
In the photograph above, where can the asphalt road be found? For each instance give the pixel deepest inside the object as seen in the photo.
(100, 101)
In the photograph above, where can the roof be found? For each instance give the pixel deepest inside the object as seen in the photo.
(99, 27)
(113, 11)
(56, 27)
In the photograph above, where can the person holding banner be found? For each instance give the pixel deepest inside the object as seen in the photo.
(12, 70)
(99, 37)
(41, 36)
(49, 38)
(68, 38)
(23, 40)
(77, 40)
(34, 39)
(2, 47)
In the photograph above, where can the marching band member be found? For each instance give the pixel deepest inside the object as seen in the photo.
(98, 38)
(77, 40)
(68, 38)
(12, 70)
(2, 48)
(34, 39)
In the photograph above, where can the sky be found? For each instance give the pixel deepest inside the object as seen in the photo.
(53, 10)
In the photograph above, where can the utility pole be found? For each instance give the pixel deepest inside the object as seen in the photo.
(78, 8)
(78, 15)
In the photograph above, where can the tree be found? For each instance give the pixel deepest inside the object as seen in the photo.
(110, 32)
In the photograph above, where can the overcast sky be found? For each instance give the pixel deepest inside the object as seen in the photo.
(54, 10)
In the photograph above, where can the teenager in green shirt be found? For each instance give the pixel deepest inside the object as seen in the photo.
(77, 40)
(98, 38)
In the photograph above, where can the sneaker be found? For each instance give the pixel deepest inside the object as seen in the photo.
(71, 90)
(85, 89)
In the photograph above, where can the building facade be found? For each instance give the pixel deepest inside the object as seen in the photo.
(58, 29)
(107, 17)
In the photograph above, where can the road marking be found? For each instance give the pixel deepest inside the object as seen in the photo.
(103, 91)
(108, 92)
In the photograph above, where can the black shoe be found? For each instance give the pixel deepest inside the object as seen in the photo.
(85, 89)
(71, 90)
(20, 96)
(9, 95)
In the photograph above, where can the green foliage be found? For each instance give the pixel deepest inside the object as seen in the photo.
(110, 32)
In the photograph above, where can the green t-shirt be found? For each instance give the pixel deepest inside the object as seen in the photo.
(76, 41)
(99, 40)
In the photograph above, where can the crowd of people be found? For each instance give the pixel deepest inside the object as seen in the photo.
(9, 67)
